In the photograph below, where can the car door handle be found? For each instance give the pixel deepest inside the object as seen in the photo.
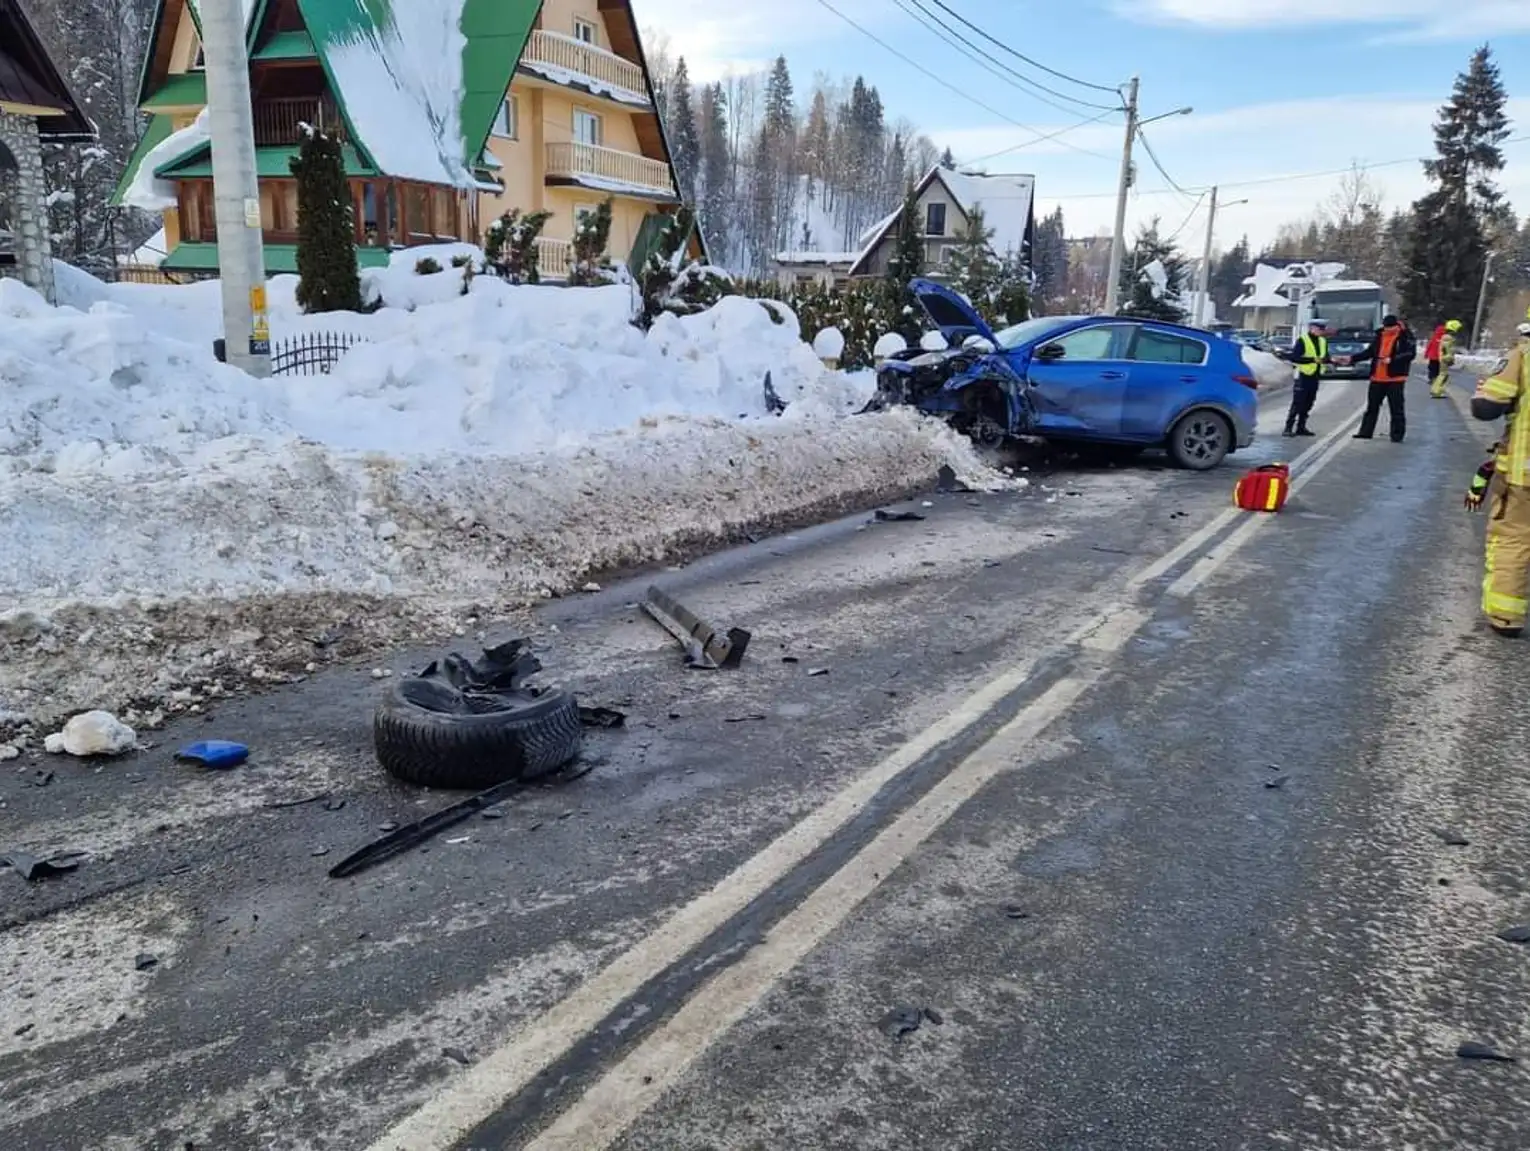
(1112, 375)
(1189, 379)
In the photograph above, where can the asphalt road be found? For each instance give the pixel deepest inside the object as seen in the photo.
(1029, 808)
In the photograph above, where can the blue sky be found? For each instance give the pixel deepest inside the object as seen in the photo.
(1278, 86)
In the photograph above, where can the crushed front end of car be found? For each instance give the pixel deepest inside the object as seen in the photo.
(972, 388)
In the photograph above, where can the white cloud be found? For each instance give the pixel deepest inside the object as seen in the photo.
(717, 37)
(1410, 19)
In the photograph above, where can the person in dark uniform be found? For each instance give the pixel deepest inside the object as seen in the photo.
(1309, 354)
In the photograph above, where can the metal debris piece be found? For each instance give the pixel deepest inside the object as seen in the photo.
(1450, 837)
(1516, 934)
(883, 516)
(900, 1021)
(1277, 783)
(812, 671)
(705, 648)
(946, 480)
(39, 778)
(1015, 911)
(456, 1055)
(745, 718)
(320, 850)
(31, 867)
(934, 1016)
(334, 804)
(774, 404)
(602, 717)
(1483, 1053)
(277, 804)
(144, 961)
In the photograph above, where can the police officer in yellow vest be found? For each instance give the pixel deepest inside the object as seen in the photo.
(1309, 354)
(1506, 583)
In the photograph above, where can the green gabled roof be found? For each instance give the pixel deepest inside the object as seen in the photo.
(286, 46)
(186, 90)
(270, 163)
(496, 32)
(155, 133)
(256, 10)
(279, 258)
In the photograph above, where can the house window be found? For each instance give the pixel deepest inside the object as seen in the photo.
(935, 220)
(198, 223)
(508, 122)
(586, 128)
(585, 31)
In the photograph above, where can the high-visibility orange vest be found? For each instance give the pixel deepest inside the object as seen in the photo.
(1381, 370)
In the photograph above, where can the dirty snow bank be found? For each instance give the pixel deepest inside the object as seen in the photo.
(174, 526)
(1270, 370)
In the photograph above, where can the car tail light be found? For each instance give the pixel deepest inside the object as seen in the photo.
(1247, 382)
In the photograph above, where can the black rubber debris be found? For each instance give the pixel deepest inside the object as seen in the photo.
(144, 961)
(1520, 933)
(774, 404)
(883, 516)
(34, 867)
(1015, 911)
(1484, 1053)
(818, 671)
(946, 480)
(790, 659)
(1277, 783)
(456, 1055)
(602, 717)
(744, 718)
(333, 804)
(900, 1021)
(39, 779)
(1450, 837)
(934, 1016)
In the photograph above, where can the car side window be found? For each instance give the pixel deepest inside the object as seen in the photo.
(1102, 342)
(1164, 348)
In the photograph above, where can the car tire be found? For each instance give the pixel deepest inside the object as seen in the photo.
(525, 736)
(1200, 440)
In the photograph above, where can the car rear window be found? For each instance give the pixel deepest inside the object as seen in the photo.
(1164, 348)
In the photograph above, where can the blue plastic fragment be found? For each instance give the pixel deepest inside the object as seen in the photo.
(216, 753)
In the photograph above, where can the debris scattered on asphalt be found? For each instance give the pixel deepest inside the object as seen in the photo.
(320, 850)
(991, 564)
(705, 647)
(144, 961)
(219, 754)
(934, 1016)
(1483, 1052)
(1015, 911)
(334, 804)
(900, 1021)
(774, 404)
(745, 718)
(590, 587)
(602, 717)
(388, 826)
(1450, 837)
(1276, 783)
(494, 813)
(381, 673)
(23, 1029)
(883, 516)
(1517, 934)
(460, 839)
(818, 671)
(790, 659)
(33, 867)
(456, 1055)
(39, 778)
(92, 733)
(276, 804)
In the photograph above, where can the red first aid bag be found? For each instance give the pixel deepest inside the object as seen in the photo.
(1264, 489)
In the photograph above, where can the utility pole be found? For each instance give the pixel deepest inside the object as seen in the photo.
(236, 191)
(1204, 283)
(1487, 278)
(1118, 237)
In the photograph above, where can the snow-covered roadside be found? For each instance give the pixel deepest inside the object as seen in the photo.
(1271, 371)
(174, 526)
(1479, 363)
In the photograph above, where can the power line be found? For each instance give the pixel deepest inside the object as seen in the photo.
(1153, 156)
(1038, 140)
(942, 81)
(1185, 223)
(1020, 55)
(1008, 73)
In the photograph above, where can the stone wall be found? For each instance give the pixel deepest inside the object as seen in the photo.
(24, 191)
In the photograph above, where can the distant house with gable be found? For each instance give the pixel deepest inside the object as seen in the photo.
(946, 198)
(35, 107)
(451, 112)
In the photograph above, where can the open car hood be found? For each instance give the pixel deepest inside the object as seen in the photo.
(952, 316)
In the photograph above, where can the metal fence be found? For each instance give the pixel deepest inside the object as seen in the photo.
(310, 353)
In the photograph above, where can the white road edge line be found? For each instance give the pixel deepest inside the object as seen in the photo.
(1327, 448)
(473, 1096)
(614, 1102)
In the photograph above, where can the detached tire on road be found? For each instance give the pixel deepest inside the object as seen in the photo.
(1200, 440)
(420, 739)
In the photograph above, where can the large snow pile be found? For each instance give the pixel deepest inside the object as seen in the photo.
(169, 520)
(1270, 370)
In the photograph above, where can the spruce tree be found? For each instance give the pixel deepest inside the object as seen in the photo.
(816, 143)
(1226, 284)
(684, 140)
(906, 263)
(592, 236)
(975, 273)
(948, 161)
(328, 280)
(716, 199)
(1050, 260)
(1144, 298)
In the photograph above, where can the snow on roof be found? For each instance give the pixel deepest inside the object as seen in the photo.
(400, 77)
(1266, 284)
(149, 253)
(1349, 286)
(620, 187)
(1005, 202)
(873, 233)
(592, 84)
(816, 257)
(148, 191)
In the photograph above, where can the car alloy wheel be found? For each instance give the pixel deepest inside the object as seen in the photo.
(1201, 440)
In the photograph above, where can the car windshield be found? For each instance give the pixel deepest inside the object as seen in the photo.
(1030, 330)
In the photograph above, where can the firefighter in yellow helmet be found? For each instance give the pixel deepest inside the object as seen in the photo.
(1506, 582)
(1441, 354)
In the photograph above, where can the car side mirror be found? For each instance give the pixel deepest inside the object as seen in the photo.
(1051, 352)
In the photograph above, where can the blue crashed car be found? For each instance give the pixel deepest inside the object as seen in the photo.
(1107, 382)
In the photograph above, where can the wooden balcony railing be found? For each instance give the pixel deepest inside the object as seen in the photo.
(571, 161)
(572, 55)
(554, 257)
(279, 120)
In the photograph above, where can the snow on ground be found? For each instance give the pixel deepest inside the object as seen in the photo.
(1270, 370)
(171, 522)
(1480, 363)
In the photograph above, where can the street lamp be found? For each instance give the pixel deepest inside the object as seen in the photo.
(1118, 239)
